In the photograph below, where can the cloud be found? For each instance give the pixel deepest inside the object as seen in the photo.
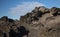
(24, 8)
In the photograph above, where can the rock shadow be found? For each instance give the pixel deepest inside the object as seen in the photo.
(21, 32)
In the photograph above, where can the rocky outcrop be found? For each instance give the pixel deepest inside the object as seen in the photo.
(40, 22)
(43, 22)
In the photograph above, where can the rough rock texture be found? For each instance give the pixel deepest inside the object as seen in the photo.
(41, 22)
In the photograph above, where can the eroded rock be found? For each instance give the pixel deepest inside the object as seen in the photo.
(40, 22)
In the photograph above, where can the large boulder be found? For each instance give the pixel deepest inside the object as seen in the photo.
(55, 11)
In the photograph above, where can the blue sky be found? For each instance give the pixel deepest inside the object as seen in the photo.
(15, 8)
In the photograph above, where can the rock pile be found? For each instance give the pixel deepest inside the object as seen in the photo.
(40, 22)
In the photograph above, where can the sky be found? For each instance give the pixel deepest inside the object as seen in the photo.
(16, 8)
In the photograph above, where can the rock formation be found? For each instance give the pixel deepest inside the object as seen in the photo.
(40, 22)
